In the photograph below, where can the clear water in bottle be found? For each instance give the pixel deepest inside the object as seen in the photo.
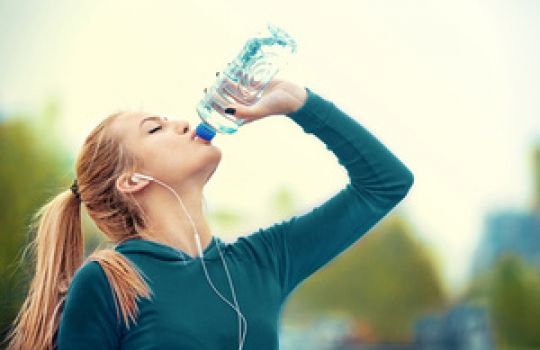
(244, 80)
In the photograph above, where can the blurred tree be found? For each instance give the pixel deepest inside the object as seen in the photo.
(32, 171)
(535, 165)
(225, 220)
(386, 280)
(283, 202)
(510, 291)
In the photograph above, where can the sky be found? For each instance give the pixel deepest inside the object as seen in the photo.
(450, 87)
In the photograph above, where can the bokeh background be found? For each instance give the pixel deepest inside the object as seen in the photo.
(451, 87)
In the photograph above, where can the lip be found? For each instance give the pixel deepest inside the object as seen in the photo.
(195, 138)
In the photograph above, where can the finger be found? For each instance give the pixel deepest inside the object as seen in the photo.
(243, 111)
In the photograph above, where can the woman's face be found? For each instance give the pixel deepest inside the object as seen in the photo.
(167, 148)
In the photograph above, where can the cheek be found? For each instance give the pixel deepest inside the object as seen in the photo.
(165, 155)
(164, 146)
(172, 157)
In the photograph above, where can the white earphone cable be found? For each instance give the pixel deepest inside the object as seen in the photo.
(236, 307)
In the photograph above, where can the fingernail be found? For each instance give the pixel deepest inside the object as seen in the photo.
(230, 110)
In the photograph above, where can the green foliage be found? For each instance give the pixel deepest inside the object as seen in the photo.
(225, 220)
(510, 291)
(283, 202)
(386, 280)
(32, 171)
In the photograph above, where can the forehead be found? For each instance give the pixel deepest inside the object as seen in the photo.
(126, 124)
(132, 117)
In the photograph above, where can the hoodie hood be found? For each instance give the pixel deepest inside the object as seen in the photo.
(165, 252)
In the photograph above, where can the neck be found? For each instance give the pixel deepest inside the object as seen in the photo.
(169, 223)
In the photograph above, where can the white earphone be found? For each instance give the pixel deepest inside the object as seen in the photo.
(136, 177)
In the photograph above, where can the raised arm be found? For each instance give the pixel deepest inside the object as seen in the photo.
(297, 247)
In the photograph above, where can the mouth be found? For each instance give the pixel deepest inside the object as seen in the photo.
(196, 138)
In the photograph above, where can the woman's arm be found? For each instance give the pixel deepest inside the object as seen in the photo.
(299, 246)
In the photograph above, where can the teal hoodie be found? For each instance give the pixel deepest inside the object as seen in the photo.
(265, 266)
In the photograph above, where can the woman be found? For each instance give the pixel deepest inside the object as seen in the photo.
(150, 291)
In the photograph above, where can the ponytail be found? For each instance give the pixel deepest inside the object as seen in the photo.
(57, 252)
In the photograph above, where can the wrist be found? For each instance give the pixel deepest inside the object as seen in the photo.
(299, 96)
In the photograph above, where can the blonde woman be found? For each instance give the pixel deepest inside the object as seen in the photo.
(153, 289)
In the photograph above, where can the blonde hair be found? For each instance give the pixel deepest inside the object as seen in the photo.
(58, 245)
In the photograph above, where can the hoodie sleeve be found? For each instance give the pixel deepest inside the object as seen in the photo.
(297, 247)
(88, 318)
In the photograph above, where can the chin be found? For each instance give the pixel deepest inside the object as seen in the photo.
(217, 155)
(215, 166)
(210, 174)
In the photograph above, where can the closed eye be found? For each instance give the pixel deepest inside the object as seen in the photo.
(154, 129)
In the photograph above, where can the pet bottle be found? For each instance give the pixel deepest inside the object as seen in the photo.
(244, 80)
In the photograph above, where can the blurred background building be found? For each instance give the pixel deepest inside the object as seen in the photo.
(512, 231)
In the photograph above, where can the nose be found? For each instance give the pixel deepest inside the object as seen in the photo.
(182, 127)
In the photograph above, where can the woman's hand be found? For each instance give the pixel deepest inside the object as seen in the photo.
(279, 97)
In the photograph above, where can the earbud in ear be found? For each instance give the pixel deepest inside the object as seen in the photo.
(137, 177)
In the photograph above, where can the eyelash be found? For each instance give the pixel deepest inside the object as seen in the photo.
(154, 129)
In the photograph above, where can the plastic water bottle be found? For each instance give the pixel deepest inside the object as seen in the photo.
(244, 80)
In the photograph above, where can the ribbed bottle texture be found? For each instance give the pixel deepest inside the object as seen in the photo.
(244, 80)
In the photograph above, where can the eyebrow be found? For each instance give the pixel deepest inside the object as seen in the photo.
(154, 117)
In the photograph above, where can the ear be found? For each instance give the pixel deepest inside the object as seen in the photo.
(125, 185)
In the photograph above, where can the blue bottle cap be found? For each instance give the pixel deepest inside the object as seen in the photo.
(205, 131)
